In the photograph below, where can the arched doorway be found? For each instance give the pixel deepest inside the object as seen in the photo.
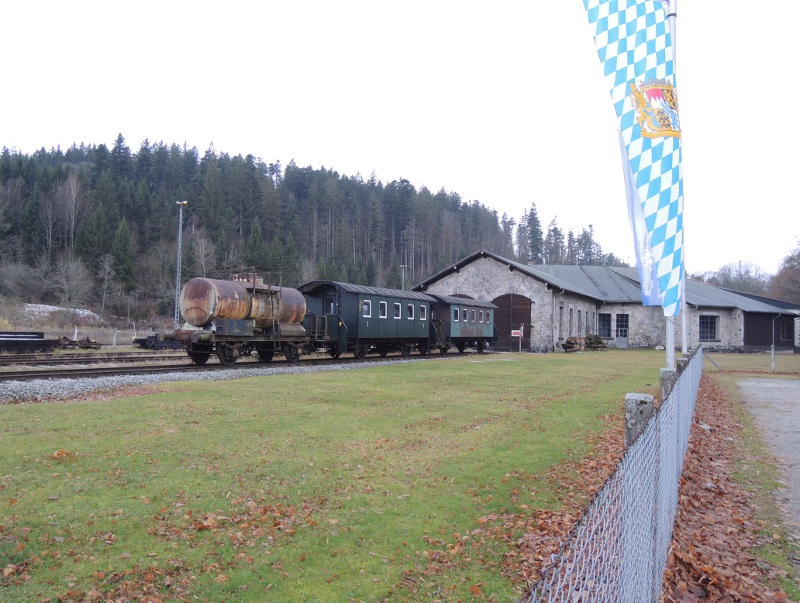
(512, 311)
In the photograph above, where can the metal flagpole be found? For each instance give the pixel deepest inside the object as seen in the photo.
(672, 12)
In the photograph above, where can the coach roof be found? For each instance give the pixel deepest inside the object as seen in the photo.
(366, 290)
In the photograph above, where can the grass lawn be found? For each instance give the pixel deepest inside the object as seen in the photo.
(365, 485)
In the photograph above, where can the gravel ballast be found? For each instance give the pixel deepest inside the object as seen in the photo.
(51, 390)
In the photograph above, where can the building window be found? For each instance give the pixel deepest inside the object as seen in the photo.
(366, 308)
(570, 322)
(456, 314)
(410, 311)
(398, 310)
(383, 310)
(709, 325)
(423, 312)
(622, 325)
(579, 323)
(561, 322)
(604, 325)
(786, 331)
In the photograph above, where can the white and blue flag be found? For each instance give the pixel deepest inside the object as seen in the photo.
(635, 47)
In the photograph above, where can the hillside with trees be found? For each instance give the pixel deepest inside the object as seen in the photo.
(97, 227)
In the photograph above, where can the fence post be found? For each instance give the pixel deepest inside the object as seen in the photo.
(638, 409)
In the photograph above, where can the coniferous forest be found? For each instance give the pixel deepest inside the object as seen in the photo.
(98, 227)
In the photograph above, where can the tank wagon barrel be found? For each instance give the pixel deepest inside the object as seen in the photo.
(204, 300)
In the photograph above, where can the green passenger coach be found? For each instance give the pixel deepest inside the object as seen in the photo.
(362, 319)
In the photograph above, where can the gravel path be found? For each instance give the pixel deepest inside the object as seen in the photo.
(775, 405)
(17, 392)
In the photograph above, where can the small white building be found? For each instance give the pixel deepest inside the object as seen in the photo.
(550, 303)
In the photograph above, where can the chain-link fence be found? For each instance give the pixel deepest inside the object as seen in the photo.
(617, 552)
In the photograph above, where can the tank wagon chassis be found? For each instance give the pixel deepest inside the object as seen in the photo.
(230, 346)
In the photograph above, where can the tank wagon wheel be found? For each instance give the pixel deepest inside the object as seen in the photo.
(405, 350)
(199, 358)
(226, 355)
(360, 351)
(265, 355)
(292, 353)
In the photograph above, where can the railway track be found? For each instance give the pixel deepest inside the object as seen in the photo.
(84, 372)
(96, 358)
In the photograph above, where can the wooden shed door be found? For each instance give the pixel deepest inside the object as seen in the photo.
(512, 311)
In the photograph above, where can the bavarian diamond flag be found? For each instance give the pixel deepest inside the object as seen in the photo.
(635, 47)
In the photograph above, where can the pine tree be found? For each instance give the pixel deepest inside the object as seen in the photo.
(123, 250)
(535, 236)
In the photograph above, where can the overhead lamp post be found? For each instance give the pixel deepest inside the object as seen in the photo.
(178, 276)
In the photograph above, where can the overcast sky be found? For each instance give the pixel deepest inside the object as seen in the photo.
(504, 103)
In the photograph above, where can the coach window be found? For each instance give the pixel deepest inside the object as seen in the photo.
(474, 316)
(328, 305)
(465, 315)
(423, 312)
(480, 316)
(383, 310)
(367, 309)
(456, 314)
(488, 316)
(410, 311)
(398, 309)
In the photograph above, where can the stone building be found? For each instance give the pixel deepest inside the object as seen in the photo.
(547, 304)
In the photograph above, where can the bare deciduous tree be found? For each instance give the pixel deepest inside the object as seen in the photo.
(233, 260)
(105, 275)
(72, 281)
(202, 253)
(69, 199)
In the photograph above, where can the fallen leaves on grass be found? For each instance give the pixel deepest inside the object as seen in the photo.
(715, 526)
(525, 540)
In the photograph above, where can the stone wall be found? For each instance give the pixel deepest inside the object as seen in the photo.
(730, 328)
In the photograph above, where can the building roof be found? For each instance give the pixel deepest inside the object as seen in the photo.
(612, 284)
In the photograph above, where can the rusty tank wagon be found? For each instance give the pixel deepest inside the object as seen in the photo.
(234, 318)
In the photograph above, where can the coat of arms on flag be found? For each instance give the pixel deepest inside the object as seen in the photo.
(656, 105)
